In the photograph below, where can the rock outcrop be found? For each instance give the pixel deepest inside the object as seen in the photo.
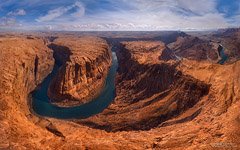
(188, 105)
(194, 48)
(84, 66)
(152, 89)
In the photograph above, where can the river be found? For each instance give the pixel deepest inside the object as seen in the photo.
(42, 106)
(222, 54)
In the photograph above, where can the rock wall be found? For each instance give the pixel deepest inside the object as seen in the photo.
(84, 67)
(24, 64)
(149, 78)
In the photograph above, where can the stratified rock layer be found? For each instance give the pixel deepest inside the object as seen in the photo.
(151, 90)
(85, 62)
(24, 64)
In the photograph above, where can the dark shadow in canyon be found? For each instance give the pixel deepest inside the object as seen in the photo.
(36, 66)
(177, 89)
(61, 54)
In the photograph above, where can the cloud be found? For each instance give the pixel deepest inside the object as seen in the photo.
(154, 15)
(235, 20)
(6, 22)
(55, 13)
(18, 12)
(149, 22)
(81, 10)
(52, 14)
(199, 7)
(125, 14)
(10, 19)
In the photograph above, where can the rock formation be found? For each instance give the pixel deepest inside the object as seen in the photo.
(24, 64)
(182, 104)
(230, 39)
(194, 48)
(152, 89)
(85, 62)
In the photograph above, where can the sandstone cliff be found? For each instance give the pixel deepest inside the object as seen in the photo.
(24, 64)
(84, 66)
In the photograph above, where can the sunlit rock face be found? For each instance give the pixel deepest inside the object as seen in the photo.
(25, 62)
(84, 66)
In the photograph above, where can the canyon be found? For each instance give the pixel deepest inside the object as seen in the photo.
(170, 92)
(82, 72)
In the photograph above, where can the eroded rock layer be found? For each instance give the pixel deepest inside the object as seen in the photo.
(85, 62)
(148, 89)
(24, 64)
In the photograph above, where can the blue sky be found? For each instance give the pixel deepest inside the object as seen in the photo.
(81, 15)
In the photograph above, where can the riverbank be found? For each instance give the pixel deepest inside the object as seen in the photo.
(42, 106)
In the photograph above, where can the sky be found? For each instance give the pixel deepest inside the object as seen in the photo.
(118, 15)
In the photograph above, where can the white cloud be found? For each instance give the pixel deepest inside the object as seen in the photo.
(10, 21)
(52, 14)
(155, 15)
(4, 21)
(55, 13)
(18, 12)
(199, 7)
(81, 10)
(133, 15)
(235, 20)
